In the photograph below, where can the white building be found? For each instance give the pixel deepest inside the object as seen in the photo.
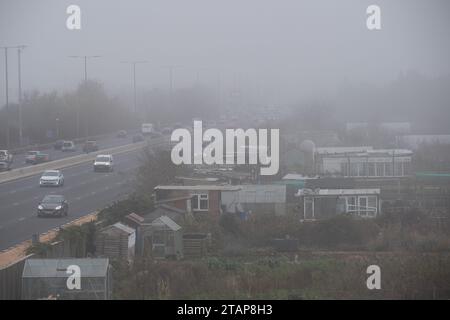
(363, 162)
(323, 203)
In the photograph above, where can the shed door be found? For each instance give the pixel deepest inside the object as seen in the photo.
(308, 208)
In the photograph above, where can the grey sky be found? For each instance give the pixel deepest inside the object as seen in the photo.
(285, 48)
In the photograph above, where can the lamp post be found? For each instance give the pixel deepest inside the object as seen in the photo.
(85, 58)
(57, 128)
(133, 64)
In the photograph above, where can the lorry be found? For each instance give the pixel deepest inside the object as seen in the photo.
(147, 128)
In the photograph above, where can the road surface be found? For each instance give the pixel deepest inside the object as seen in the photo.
(104, 143)
(85, 190)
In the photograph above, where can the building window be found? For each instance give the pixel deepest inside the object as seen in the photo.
(398, 169)
(351, 204)
(380, 169)
(200, 202)
(367, 206)
(353, 169)
(344, 168)
(388, 170)
(158, 238)
(406, 168)
(308, 208)
(372, 206)
(371, 169)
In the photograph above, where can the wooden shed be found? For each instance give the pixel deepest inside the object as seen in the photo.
(162, 238)
(116, 242)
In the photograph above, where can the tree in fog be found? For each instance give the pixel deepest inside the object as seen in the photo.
(156, 168)
(45, 114)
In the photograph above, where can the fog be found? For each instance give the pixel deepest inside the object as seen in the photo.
(276, 52)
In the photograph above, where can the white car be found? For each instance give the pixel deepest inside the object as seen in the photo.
(104, 162)
(68, 146)
(52, 178)
(147, 128)
(6, 156)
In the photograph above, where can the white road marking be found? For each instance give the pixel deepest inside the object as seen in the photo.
(21, 219)
(15, 204)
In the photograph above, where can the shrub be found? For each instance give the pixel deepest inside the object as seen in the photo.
(338, 231)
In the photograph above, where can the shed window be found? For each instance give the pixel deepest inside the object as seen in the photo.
(158, 237)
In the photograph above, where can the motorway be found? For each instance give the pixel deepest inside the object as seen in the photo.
(103, 143)
(85, 191)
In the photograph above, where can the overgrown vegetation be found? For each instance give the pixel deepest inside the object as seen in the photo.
(282, 277)
(119, 209)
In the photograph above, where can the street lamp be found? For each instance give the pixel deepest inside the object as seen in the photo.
(7, 97)
(133, 63)
(85, 81)
(85, 63)
(170, 68)
(57, 128)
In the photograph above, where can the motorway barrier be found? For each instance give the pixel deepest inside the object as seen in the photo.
(49, 145)
(66, 162)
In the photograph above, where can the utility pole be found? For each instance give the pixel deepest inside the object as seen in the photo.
(19, 71)
(170, 68)
(133, 63)
(85, 58)
(8, 136)
(8, 142)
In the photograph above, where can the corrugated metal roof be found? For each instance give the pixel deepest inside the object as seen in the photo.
(269, 193)
(200, 188)
(123, 227)
(295, 176)
(165, 220)
(56, 268)
(338, 192)
(338, 150)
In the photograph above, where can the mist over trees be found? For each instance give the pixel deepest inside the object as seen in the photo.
(424, 101)
(53, 115)
(50, 116)
(412, 97)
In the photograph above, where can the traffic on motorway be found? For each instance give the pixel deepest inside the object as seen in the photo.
(83, 188)
(61, 149)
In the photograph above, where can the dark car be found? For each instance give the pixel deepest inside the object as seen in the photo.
(122, 134)
(5, 166)
(166, 131)
(53, 205)
(156, 135)
(138, 138)
(58, 145)
(35, 157)
(90, 146)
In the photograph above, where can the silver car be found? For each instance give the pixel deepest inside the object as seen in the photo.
(68, 146)
(53, 178)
